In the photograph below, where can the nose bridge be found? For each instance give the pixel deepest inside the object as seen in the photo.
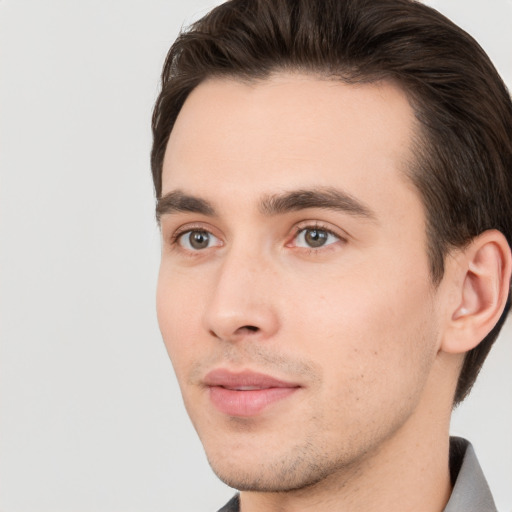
(241, 301)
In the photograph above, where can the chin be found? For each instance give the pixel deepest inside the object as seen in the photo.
(266, 480)
(265, 472)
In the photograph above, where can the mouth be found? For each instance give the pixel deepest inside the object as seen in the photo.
(246, 393)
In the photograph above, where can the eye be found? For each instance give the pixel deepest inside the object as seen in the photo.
(197, 240)
(313, 238)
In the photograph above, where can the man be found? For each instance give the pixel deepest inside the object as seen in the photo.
(334, 185)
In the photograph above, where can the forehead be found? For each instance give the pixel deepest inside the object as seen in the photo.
(286, 131)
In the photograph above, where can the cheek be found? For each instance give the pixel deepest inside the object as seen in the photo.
(178, 305)
(371, 330)
(358, 306)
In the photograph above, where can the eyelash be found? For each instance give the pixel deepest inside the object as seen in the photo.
(315, 226)
(189, 228)
(299, 228)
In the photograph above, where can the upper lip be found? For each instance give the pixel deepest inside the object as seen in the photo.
(244, 380)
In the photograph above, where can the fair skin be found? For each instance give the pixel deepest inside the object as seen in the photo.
(316, 359)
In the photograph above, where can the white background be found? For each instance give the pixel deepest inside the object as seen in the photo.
(91, 418)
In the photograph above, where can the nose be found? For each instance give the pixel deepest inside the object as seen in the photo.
(243, 303)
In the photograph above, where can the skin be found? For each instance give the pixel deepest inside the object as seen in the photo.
(356, 323)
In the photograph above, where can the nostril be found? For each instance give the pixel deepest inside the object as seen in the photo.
(245, 329)
(248, 328)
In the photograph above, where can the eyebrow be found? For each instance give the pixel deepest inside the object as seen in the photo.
(177, 201)
(326, 198)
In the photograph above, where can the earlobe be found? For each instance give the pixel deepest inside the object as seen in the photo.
(485, 266)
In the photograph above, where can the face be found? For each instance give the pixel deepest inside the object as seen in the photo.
(294, 294)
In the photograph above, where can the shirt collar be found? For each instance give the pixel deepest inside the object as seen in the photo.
(471, 492)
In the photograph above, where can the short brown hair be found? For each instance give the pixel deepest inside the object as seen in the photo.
(463, 167)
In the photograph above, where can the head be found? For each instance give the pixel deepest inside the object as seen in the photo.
(463, 162)
(391, 63)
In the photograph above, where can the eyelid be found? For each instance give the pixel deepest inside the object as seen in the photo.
(185, 240)
(320, 226)
(299, 227)
(192, 226)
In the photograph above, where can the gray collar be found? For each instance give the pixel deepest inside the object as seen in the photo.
(470, 491)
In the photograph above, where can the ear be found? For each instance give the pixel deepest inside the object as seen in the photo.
(482, 284)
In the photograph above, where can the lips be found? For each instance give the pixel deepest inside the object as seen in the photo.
(246, 393)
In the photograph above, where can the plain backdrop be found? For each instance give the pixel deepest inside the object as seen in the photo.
(91, 418)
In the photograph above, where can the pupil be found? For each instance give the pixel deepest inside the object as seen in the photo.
(315, 237)
(199, 239)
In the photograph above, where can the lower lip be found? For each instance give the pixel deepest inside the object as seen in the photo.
(247, 403)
